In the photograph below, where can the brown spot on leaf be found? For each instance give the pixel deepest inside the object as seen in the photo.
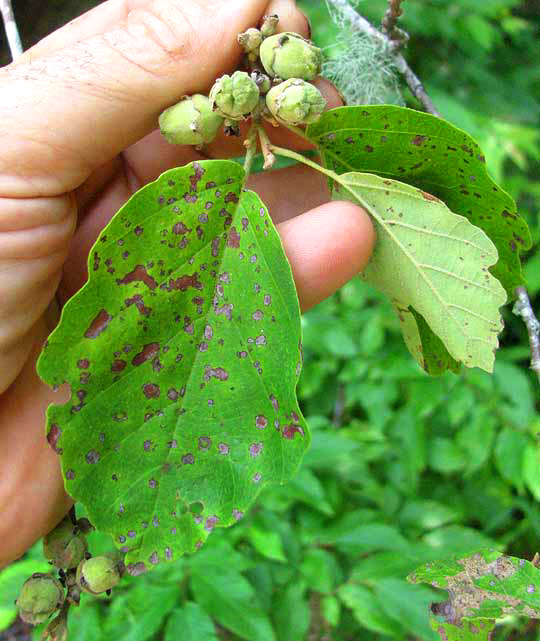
(194, 179)
(118, 365)
(151, 390)
(233, 239)
(52, 437)
(186, 281)
(147, 353)
(139, 274)
(137, 300)
(289, 431)
(419, 140)
(98, 325)
(84, 363)
(429, 196)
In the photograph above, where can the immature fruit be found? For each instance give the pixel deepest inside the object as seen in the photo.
(250, 40)
(288, 55)
(269, 25)
(97, 575)
(235, 96)
(295, 102)
(40, 596)
(190, 122)
(65, 547)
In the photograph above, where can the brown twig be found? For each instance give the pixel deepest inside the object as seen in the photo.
(357, 21)
(10, 26)
(390, 20)
(524, 309)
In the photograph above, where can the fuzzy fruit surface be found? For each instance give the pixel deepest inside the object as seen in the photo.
(190, 122)
(250, 40)
(63, 547)
(41, 595)
(295, 102)
(288, 55)
(97, 575)
(235, 96)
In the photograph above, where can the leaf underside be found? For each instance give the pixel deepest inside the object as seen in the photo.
(183, 354)
(429, 260)
(433, 155)
(481, 588)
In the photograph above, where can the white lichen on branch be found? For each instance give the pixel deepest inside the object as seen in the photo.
(524, 309)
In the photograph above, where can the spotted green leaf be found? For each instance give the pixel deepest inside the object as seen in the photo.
(477, 630)
(183, 355)
(484, 586)
(429, 153)
(434, 262)
(433, 155)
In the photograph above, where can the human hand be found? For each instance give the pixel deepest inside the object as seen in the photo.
(78, 118)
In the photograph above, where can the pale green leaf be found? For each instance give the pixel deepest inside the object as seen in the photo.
(433, 261)
(190, 623)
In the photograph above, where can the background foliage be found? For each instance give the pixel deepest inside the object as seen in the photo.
(403, 468)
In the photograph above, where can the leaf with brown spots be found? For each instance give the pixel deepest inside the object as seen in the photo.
(429, 153)
(183, 354)
(481, 588)
(430, 260)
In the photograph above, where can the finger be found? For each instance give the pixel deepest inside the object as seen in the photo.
(107, 90)
(326, 247)
(32, 497)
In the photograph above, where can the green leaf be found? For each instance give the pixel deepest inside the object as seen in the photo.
(190, 623)
(229, 598)
(509, 450)
(486, 585)
(291, 613)
(531, 469)
(425, 151)
(320, 570)
(139, 614)
(433, 261)
(477, 630)
(408, 605)
(368, 610)
(183, 354)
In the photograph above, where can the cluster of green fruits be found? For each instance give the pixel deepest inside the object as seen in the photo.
(67, 549)
(276, 87)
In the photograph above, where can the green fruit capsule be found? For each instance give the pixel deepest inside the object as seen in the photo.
(234, 97)
(288, 55)
(65, 547)
(295, 102)
(190, 122)
(97, 575)
(40, 596)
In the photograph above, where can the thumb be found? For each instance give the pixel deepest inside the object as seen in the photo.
(74, 108)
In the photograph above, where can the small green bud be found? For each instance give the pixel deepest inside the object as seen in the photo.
(234, 97)
(269, 25)
(262, 81)
(288, 55)
(97, 575)
(295, 102)
(40, 596)
(190, 122)
(64, 546)
(250, 40)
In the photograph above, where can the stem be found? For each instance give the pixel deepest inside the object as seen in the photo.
(524, 309)
(267, 148)
(251, 149)
(288, 153)
(10, 26)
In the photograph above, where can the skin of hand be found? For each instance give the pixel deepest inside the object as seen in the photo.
(78, 118)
